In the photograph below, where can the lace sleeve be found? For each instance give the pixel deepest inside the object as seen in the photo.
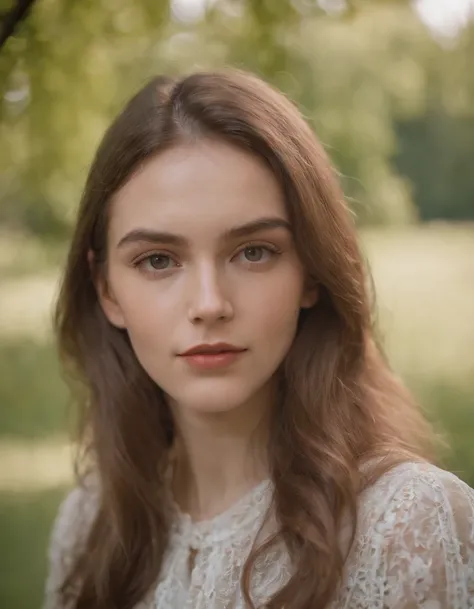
(423, 543)
(68, 535)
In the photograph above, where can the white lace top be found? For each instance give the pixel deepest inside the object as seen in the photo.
(414, 549)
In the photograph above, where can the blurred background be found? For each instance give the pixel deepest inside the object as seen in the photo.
(389, 88)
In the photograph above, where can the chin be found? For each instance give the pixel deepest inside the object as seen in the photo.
(210, 407)
(213, 397)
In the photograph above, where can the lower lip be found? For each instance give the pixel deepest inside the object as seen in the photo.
(206, 361)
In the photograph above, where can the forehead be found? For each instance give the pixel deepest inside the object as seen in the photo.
(201, 189)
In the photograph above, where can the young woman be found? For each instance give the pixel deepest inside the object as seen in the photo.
(246, 443)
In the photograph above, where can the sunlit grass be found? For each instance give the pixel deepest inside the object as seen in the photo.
(31, 465)
(424, 279)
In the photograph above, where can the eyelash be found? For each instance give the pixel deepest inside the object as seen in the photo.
(271, 249)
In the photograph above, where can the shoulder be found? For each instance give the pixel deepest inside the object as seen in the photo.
(412, 488)
(70, 529)
(415, 541)
(75, 515)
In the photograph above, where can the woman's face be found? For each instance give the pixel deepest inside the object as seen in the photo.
(201, 252)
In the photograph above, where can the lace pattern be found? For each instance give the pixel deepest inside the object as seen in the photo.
(414, 549)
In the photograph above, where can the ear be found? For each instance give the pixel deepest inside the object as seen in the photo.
(105, 295)
(310, 294)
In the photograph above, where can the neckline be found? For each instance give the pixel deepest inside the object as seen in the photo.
(238, 518)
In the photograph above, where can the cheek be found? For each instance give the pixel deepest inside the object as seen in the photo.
(151, 337)
(278, 307)
(145, 316)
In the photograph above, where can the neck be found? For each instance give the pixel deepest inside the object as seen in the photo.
(220, 456)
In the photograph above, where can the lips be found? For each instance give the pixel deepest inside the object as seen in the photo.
(212, 357)
(212, 349)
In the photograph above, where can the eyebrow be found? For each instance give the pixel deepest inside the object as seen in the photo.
(151, 236)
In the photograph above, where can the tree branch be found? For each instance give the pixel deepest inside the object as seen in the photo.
(13, 18)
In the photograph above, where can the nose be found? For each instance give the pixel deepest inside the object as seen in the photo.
(208, 302)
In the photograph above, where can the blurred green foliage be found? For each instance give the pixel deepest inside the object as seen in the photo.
(394, 107)
(25, 523)
(32, 387)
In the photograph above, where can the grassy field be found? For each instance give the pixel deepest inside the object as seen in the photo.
(425, 286)
(425, 294)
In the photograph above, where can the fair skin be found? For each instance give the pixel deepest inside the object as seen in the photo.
(200, 250)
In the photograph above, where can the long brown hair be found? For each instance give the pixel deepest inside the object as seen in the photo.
(341, 405)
